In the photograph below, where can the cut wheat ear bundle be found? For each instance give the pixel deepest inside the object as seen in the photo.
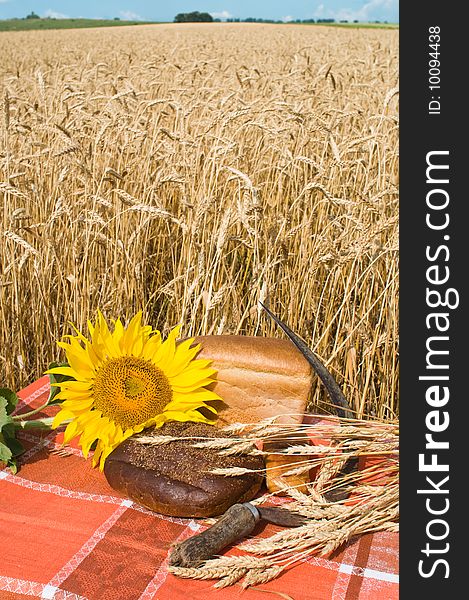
(355, 490)
(339, 474)
(352, 458)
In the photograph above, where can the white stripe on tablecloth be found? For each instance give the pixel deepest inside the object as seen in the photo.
(381, 575)
(162, 571)
(369, 573)
(27, 401)
(20, 586)
(66, 493)
(36, 589)
(343, 576)
(47, 441)
(57, 490)
(88, 546)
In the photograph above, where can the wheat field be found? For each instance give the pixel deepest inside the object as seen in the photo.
(193, 170)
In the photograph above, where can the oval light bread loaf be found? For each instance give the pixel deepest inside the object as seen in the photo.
(260, 378)
(257, 378)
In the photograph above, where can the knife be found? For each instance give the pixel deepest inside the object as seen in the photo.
(237, 522)
(337, 397)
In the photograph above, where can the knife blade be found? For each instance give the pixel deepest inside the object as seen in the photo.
(237, 522)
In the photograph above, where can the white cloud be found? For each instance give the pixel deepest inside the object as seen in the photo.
(129, 15)
(369, 11)
(53, 14)
(224, 14)
(288, 19)
(319, 12)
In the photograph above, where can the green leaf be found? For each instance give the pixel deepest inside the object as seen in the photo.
(8, 434)
(15, 446)
(44, 423)
(5, 452)
(13, 466)
(57, 379)
(10, 447)
(11, 398)
(9, 430)
(4, 416)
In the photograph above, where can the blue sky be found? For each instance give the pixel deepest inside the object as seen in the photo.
(159, 10)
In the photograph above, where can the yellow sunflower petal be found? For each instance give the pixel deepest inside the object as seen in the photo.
(100, 430)
(91, 327)
(86, 420)
(189, 378)
(77, 358)
(115, 432)
(199, 363)
(165, 353)
(188, 405)
(106, 446)
(151, 346)
(86, 441)
(63, 395)
(78, 405)
(70, 395)
(185, 389)
(78, 333)
(132, 339)
(203, 395)
(158, 421)
(111, 348)
(67, 371)
(105, 453)
(183, 355)
(61, 416)
(118, 332)
(195, 368)
(97, 453)
(78, 346)
(73, 385)
(190, 415)
(71, 431)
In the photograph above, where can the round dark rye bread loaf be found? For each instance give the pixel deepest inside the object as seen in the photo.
(174, 479)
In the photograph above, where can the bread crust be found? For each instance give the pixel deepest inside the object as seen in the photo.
(260, 378)
(266, 355)
(257, 378)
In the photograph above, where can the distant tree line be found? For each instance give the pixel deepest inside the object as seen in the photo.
(253, 20)
(204, 17)
(193, 17)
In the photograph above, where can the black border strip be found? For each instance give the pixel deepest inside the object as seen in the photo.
(423, 131)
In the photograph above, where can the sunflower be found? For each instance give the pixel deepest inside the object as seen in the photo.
(123, 381)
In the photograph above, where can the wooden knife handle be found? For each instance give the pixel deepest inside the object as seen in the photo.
(237, 522)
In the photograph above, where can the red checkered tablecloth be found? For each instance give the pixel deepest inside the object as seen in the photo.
(65, 534)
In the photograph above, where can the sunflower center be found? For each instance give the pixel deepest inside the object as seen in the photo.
(130, 390)
(133, 386)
